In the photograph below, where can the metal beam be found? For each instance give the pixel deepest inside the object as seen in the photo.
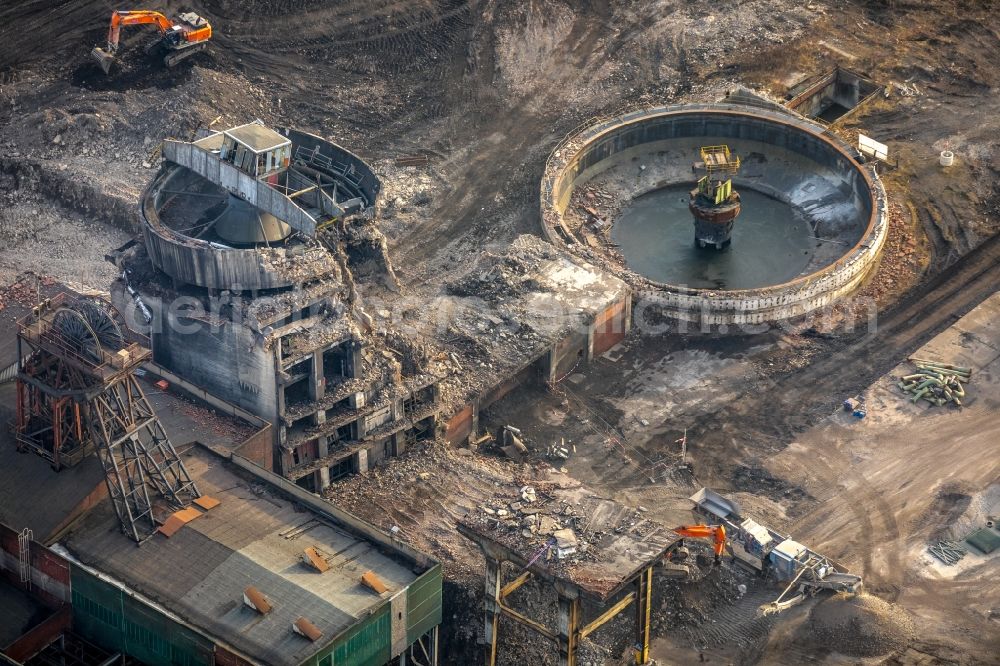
(644, 598)
(303, 191)
(491, 603)
(514, 584)
(528, 622)
(607, 615)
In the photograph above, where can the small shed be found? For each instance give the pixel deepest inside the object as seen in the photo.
(255, 149)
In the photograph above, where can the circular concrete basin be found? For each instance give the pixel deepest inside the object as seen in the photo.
(812, 227)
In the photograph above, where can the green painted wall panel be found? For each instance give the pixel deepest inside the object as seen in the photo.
(423, 604)
(97, 612)
(367, 644)
(117, 621)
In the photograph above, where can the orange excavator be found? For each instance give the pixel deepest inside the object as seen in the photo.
(717, 533)
(179, 38)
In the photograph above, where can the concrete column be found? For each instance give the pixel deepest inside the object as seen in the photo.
(491, 604)
(323, 446)
(590, 342)
(317, 382)
(474, 432)
(281, 399)
(627, 315)
(356, 360)
(362, 461)
(569, 618)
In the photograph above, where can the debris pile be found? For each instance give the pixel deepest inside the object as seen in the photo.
(936, 382)
(553, 526)
(860, 625)
(497, 277)
(570, 532)
(408, 494)
(24, 292)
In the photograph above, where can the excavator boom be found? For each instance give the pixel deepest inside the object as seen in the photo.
(715, 532)
(118, 19)
(186, 31)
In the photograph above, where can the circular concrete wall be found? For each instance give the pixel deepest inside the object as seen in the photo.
(192, 260)
(812, 170)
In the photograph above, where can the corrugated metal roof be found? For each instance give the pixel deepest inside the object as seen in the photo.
(254, 537)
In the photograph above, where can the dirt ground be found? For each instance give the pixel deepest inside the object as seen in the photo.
(484, 89)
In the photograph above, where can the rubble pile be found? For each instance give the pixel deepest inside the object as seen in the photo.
(705, 606)
(511, 306)
(24, 291)
(404, 497)
(368, 251)
(299, 262)
(593, 209)
(496, 277)
(222, 426)
(901, 259)
(414, 354)
(860, 625)
(554, 528)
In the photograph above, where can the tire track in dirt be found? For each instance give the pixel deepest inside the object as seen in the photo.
(527, 129)
(749, 428)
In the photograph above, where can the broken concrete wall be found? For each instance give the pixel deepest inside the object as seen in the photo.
(226, 359)
(610, 327)
(841, 86)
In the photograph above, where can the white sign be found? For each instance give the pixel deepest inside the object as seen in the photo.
(873, 148)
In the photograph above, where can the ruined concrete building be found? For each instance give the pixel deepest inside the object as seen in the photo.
(244, 279)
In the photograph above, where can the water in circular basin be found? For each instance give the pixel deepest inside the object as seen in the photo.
(771, 242)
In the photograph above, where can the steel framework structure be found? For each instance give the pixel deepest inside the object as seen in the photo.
(77, 394)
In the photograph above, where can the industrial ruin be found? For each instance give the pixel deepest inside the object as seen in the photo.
(253, 228)
(442, 333)
(825, 190)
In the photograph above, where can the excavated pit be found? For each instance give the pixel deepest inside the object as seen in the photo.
(812, 226)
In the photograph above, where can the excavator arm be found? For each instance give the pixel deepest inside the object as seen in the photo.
(120, 18)
(717, 533)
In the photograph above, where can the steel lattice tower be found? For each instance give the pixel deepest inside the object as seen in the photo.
(77, 394)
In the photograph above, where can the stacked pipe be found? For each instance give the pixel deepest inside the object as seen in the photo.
(936, 382)
(949, 552)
